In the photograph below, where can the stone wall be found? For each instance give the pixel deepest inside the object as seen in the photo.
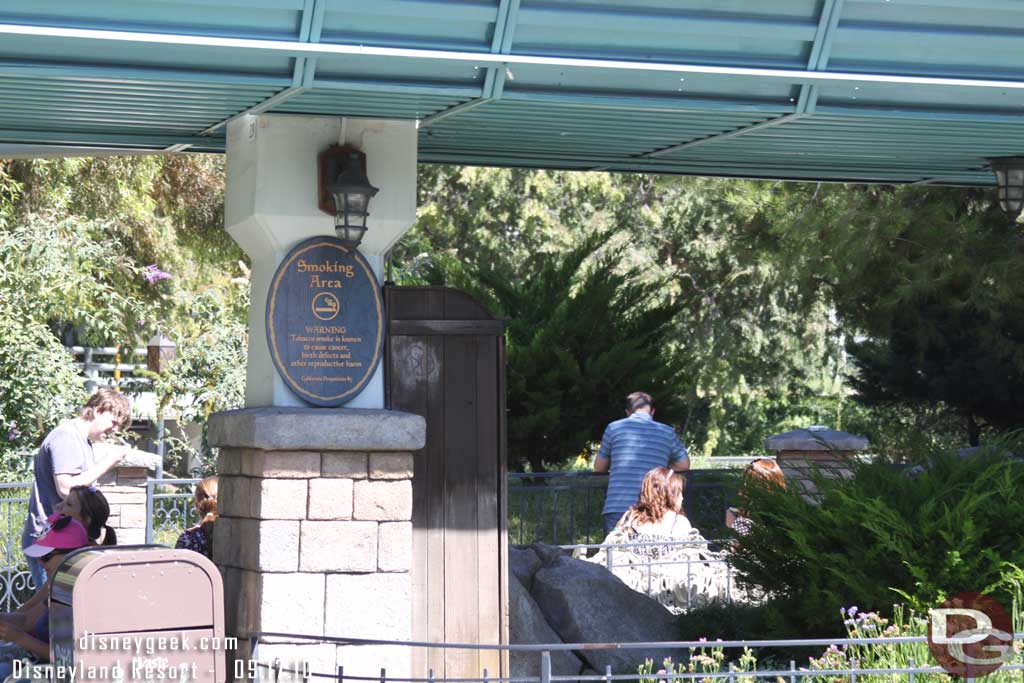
(125, 491)
(317, 542)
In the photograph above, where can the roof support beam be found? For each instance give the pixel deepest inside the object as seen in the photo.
(294, 48)
(721, 136)
(311, 27)
(821, 50)
(494, 82)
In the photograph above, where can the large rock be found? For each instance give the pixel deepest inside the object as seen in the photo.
(585, 603)
(528, 627)
(523, 563)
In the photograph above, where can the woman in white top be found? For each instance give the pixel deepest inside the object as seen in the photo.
(658, 515)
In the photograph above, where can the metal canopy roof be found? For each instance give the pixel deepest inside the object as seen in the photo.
(872, 90)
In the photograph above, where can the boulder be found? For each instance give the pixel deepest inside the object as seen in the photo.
(548, 553)
(528, 627)
(585, 603)
(523, 563)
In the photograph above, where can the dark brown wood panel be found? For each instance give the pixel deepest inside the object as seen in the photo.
(446, 362)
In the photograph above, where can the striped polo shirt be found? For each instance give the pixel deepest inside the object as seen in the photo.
(636, 445)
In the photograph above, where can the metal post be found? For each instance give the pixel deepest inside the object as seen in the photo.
(341, 674)
(732, 677)
(160, 445)
(911, 665)
(792, 668)
(150, 484)
(608, 557)
(87, 370)
(383, 675)
(554, 517)
(545, 667)
(853, 671)
(608, 673)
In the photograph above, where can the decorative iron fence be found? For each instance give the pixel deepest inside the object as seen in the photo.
(693, 572)
(169, 509)
(560, 508)
(15, 582)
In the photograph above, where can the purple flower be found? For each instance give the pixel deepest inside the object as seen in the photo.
(849, 622)
(853, 610)
(152, 274)
(13, 433)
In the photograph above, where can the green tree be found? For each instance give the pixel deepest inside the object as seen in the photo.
(928, 284)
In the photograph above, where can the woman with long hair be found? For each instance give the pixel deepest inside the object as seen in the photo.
(761, 472)
(89, 506)
(200, 537)
(658, 514)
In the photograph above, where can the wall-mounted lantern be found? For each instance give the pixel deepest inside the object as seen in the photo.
(345, 191)
(1010, 181)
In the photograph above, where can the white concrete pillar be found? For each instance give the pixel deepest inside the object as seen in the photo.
(271, 205)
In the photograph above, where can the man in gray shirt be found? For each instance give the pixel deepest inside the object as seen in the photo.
(66, 460)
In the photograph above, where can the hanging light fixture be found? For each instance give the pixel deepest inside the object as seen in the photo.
(1010, 181)
(345, 191)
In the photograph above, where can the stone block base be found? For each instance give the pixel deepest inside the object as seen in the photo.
(314, 536)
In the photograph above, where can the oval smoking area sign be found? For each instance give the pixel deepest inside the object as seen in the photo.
(325, 321)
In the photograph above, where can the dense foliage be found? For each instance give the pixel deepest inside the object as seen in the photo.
(886, 535)
(106, 252)
(582, 333)
(750, 356)
(928, 284)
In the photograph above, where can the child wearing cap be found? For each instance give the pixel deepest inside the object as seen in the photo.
(27, 634)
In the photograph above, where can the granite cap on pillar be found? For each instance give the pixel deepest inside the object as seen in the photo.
(815, 438)
(317, 429)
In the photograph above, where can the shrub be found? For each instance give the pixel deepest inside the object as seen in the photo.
(38, 388)
(885, 535)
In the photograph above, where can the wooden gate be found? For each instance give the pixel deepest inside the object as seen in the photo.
(446, 362)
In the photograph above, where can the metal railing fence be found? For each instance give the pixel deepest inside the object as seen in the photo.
(168, 513)
(632, 556)
(565, 507)
(15, 581)
(910, 672)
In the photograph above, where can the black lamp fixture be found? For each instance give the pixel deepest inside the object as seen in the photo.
(1010, 181)
(345, 191)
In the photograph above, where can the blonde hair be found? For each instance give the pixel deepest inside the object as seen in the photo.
(108, 401)
(660, 493)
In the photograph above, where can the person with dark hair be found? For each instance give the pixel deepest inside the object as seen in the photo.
(27, 633)
(200, 537)
(632, 447)
(761, 472)
(89, 506)
(66, 459)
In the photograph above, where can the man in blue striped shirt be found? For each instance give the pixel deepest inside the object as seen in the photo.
(632, 447)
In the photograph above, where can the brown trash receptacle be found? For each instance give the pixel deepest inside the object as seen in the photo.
(137, 613)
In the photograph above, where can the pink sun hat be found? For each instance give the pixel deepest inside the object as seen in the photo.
(70, 537)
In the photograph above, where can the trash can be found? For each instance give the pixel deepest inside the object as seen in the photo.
(137, 613)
